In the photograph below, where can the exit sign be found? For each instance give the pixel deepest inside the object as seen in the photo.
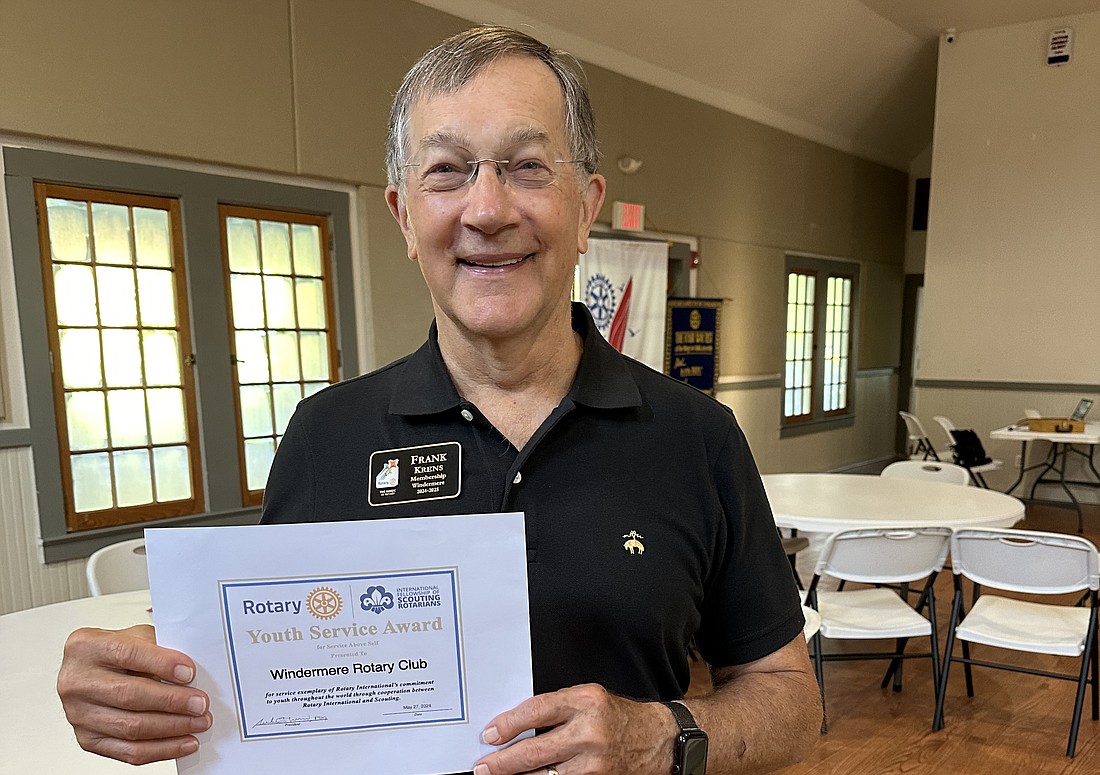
(627, 217)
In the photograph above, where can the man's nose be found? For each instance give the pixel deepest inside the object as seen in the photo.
(490, 202)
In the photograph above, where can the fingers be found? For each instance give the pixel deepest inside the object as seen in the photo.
(133, 650)
(590, 731)
(140, 752)
(112, 686)
(540, 712)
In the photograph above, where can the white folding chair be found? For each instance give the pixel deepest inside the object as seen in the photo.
(920, 446)
(927, 469)
(1034, 563)
(792, 545)
(118, 567)
(976, 472)
(878, 556)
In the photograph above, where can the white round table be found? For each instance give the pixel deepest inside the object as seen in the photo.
(34, 735)
(825, 503)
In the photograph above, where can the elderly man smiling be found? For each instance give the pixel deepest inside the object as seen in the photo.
(492, 164)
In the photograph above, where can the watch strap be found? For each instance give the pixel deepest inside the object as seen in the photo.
(682, 715)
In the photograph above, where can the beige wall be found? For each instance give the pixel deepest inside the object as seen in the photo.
(1012, 274)
(301, 89)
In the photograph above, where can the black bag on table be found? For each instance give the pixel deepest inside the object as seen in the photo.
(968, 449)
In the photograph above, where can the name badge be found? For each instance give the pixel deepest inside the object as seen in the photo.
(426, 473)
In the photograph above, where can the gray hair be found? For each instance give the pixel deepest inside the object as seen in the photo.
(447, 67)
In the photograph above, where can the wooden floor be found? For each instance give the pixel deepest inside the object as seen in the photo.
(1015, 723)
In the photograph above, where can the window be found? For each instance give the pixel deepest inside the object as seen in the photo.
(283, 346)
(125, 403)
(163, 356)
(818, 362)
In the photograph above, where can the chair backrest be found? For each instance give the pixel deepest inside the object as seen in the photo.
(884, 555)
(119, 567)
(927, 469)
(913, 426)
(1025, 560)
(948, 426)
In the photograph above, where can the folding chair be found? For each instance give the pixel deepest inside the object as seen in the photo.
(927, 469)
(920, 446)
(119, 567)
(878, 556)
(976, 469)
(792, 545)
(1034, 563)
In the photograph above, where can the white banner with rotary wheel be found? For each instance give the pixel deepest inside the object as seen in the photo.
(624, 283)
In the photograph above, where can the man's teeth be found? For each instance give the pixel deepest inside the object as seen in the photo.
(497, 264)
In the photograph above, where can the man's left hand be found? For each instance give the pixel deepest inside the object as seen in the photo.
(591, 732)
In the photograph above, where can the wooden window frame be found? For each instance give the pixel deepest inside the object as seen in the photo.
(225, 211)
(822, 269)
(199, 192)
(77, 520)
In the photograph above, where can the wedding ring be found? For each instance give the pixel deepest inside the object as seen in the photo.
(551, 771)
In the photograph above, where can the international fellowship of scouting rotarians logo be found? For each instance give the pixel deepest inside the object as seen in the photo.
(599, 297)
(377, 599)
(324, 602)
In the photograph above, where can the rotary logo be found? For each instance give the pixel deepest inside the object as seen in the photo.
(324, 602)
(377, 599)
(599, 296)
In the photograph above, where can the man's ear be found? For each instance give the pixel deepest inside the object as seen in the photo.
(401, 214)
(591, 202)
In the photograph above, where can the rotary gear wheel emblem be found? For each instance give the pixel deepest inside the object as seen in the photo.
(324, 602)
(599, 296)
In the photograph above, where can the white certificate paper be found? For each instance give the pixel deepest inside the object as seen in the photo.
(377, 646)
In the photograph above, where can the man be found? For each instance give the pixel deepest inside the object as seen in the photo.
(492, 169)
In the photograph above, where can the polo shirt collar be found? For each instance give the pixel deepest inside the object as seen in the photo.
(603, 380)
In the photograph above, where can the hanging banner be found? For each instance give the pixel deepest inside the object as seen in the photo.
(624, 284)
(691, 348)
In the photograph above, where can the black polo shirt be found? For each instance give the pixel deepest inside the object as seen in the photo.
(646, 520)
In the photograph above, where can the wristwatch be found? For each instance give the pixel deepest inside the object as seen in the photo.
(690, 756)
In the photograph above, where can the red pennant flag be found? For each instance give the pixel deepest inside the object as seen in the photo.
(622, 314)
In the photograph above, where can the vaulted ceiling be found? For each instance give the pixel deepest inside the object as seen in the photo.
(858, 75)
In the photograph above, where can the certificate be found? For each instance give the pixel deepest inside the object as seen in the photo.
(372, 646)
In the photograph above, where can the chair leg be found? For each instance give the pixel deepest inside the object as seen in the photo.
(896, 665)
(941, 689)
(819, 665)
(1086, 665)
(967, 671)
(1095, 674)
(794, 569)
(935, 638)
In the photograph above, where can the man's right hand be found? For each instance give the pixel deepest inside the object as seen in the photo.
(127, 697)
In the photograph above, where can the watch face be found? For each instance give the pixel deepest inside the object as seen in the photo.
(693, 752)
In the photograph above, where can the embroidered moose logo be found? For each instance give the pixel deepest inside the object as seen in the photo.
(634, 543)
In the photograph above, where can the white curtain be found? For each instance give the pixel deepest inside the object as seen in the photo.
(625, 284)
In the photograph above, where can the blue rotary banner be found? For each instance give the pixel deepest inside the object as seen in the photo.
(691, 342)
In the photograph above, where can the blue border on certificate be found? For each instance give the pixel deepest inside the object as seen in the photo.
(449, 574)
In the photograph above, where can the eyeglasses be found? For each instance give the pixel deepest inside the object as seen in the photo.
(453, 175)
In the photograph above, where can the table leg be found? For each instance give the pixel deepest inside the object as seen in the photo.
(1023, 468)
(1060, 451)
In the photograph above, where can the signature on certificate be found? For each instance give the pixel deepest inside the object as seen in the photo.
(288, 721)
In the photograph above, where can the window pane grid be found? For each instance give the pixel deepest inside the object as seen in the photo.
(798, 366)
(112, 283)
(280, 305)
(837, 335)
(817, 349)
